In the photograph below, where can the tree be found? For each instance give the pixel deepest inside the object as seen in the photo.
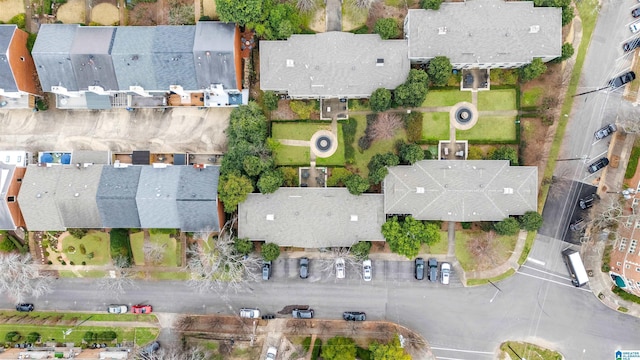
(339, 348)
(175, 352)
(248, 123)
(270, 181)
(508, 226)
(181, 14)
(567, 52)
(153, 252)
(7, 245)
(410, 153)
(78, 233)
(391, 351)
(378, 166)
(241, 12)
(243, 246)
(363, 4)
(232, 190)
(401, 242)
(338, 176)
(533, 70)
(361, 249)
(430, 4)
(475, 153)
(270, 251)
(118, 281)
(431, 234)
(413, 91)
(356, 184)
(20, 278)
(380, 99)
(439, 70)
(567, 14)
(290, 176)
(270, 100)
(253, 165)
(531, 221)
(387, 28)
(306, 5)
(504, 153)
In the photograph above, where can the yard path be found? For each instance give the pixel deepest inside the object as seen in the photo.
(294, 142)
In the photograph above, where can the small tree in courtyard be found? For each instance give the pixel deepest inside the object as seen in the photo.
(439, 70)
(356, 184)
(508, 226)
(531, 221)
(270, 251)
(380, 100)
(387, 28)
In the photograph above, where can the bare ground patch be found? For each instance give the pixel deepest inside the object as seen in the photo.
(209, 7)
(71, 12)
(143, 14)
(10, 8)
(105, 14)
(319, 21)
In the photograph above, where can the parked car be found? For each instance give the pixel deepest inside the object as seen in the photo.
(24, 307)
(445, 273)
(271, 353)
(117, 309)
(587, 201)
(302, 314)
(419, 271)
(605, 131)
(354, 316)
(266, 270)
(635, 12)
(601, 163)
(340, 268)
(304, 268)
(151, 348)
(433, 269)
(141, 309)
(3, 103)
(631, 45)
(366, 270)
(635, 27)
(622, 79)
(248, 313)
(577, 225)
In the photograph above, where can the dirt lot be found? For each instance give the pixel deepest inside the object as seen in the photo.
(10, 8)
(143, 14)
(72, 12)
(105, 14)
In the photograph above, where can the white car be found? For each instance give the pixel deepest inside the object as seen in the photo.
(271, 353)
(249, 313)
(117, 309)
(445, 272)
(366, 270)
(635, 27)
(340, 268)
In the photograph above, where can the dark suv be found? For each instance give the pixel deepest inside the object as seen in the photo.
(587, 201)
(631, 45)
(605, 131)
(601, 163)
(266, 270)
(433, 269)
(24, 307)
(419, 273)
(622, 79)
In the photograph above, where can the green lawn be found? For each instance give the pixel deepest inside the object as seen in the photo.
(490, 128)
(531, 96)
(361, 159)
(435, 126)
(142, 336)
(96, 242)
(440, 247)
(504, 245)
(531, 351)
(287, 155)
(169, 244)
(37, 316)
(82, 273)
(446, 97)
(297, 130)
(170, 275)
(501, 99)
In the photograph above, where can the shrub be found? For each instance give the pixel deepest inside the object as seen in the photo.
(19, 21)
(49, 262)
(83, 250)
(270, 100)
(84, 263)
(364, 143)
(90, 255)
(625, 295)
(413, 125)
(71, 263)
(338, 176)
(78, 233)
(46, 254)
(381, 98)
(508, 226)
(107, 336)
(306, 343)
(243, 246)
(33, 337)
(356, 184)
(63, 262)
(7, 245)
(302, 108)
(120, 244)
(531, 221)
(363, 354)
(361, 249)
(12, 336)
(387, 28)
(270, 251)
(71, 249)
(90, 336)
(317, 346)
(466, 225)
(430, 4)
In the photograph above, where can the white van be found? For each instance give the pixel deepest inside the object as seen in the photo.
(575, 266)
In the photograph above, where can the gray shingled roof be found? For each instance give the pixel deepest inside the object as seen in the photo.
(91, 57)
(132, 59)
(116, 197)
(6, 175)
(197, 198)
(37, 198)
(333, 64)
(213, 49)
(7, 80)
(76, 196)
(311, 217)
(485, 31)
(459, 190)
(51, 56)
(173, 57)
(156, 197)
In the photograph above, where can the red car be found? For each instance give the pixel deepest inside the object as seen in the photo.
(141, 309)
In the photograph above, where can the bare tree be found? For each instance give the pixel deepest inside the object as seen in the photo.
(153, 252)
(118, 280)
(20, 278)
(175, 352)
(215, 265)
(628, 117)
(385, 126)
(608, 212)
(484, 249)
(327, 261)
(363, 4)
(306, 5)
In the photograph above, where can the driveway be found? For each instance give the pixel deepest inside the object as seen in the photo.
(334, 15)
(177, 130)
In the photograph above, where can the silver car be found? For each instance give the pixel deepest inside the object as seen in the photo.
(340, 268)
(250, 313)
(366, 270)
(445, 272)
(117, 309)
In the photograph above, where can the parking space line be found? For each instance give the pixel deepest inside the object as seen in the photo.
(548, 273)
(552, 281)
(536, 261)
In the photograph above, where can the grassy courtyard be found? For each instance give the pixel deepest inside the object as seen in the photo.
(362, 158)
(287, 155)
(500, 99)
(167, 243)
(490, 129)
(531, 97)
(435, 126)
(96, 249)
(297, 130)
(446, 97)
(496, 249)
(439, 247)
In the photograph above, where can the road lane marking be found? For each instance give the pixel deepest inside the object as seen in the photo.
(546, 272)
(551, 281)
(464, 351)
(536, 261)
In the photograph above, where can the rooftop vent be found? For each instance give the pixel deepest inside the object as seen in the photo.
(534, 29)
(354, 217)
(442, 30)
(289, 62)
(419, 190)
(380, 62)
(270, 217)
(508, 191)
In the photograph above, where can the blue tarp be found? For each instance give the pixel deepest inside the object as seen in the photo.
(65, 159)
(46, 158)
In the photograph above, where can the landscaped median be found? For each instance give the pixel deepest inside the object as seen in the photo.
(79, 328)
